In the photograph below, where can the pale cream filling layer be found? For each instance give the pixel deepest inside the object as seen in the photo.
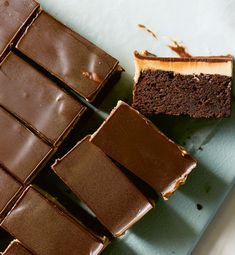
(182, 67)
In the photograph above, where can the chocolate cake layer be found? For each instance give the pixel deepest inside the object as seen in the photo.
(77, 62)
(102, 186)
(16, 248)
(9, 189)
(134, 142)
(45, 229)
(22, 152)
(37, 100)
(14, 16)
(198, 87)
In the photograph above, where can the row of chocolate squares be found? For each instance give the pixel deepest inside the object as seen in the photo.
(58, 51)
(94, 170)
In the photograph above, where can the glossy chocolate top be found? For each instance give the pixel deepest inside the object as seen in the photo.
(16, 248)
(37, 100)
(100, 184)
(65, 54)
(134, 142)
(21, 151)
(9, 187)
(45, 229)
(13, 16)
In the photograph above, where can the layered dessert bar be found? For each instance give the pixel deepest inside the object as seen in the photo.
(44, 228)
(82, 66)
(194, 86)
(22, 152)
(37, 101)
(134, 142)
(102, 186)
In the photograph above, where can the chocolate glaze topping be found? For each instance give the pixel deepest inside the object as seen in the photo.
(16, 248)
(112, 197)
(14, 16)
(134, 142)
(46, 229)
(67, 55)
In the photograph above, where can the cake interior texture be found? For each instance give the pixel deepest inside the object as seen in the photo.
(180, 92)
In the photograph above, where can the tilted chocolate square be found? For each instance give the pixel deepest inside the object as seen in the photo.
(14, 16)
(46, 229)
(22, 152)
(37, 101)
(134, 142)
(102, 186)
(68, 56)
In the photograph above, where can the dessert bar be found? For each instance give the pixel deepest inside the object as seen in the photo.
(37, 101)
(15, 15)
(22, 152)
(46, 229)
(134, 142)
(194, 86)
(102, 186)
(81, 65)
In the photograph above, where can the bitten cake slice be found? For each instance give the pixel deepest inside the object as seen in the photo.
(195, 86)
(133, 141)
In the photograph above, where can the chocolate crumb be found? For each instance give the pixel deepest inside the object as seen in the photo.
(200, 148)
(199, 207)
(147, 30)
(179, 49)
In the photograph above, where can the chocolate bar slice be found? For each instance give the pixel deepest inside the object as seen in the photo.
(14, 16)
(135, 143)
(46, 229)
(22, 152)
(102, 186)
(194, 86)
(16, 248)
(77, 62)
(38, 101)
(9, 189)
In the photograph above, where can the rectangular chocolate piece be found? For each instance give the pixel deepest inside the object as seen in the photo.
(9, 189)
(46, 229)
(194, 86)
(102, 186)
(14, 15)
(16, 248)
(37, 100)
(77, 62)
(134, 142)
(21, 151)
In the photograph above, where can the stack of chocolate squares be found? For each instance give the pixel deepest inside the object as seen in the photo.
(49, 76)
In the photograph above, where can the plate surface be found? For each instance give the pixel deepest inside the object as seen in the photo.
(206, 27)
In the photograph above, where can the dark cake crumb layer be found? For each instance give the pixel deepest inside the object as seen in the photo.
(203, 95)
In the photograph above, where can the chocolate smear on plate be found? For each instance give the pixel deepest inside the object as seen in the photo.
(147, 30)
